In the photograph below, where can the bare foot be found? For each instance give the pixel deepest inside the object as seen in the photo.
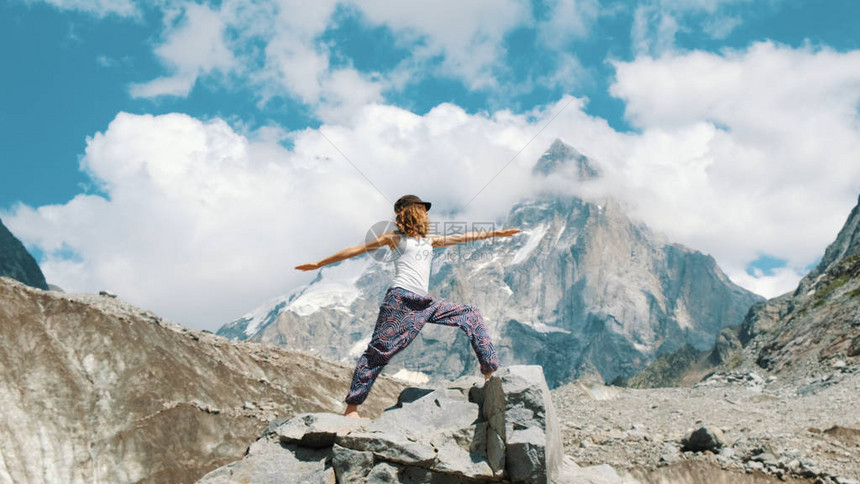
(489, 375)
(351, 411)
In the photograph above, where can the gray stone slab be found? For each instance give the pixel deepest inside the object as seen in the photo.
(316, 430)
(393, 447)
(288, 467)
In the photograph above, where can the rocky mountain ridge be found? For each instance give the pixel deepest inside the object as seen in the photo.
(95, 390)
(17, 263)
(820, 321)
(584, 290)
(797, 335)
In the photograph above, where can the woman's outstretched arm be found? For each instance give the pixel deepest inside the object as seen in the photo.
(388, 238)
(446, 240)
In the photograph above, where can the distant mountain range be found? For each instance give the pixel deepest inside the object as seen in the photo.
(585, 290)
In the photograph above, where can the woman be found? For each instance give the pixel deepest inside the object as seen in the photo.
(407, 305)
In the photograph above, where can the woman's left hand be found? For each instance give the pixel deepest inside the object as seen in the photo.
(507, 232)
(308, 267)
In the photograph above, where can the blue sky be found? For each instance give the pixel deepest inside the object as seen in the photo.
(698, 109)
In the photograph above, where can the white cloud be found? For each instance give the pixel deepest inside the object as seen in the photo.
(99, 8)
(301, 68)
(200, 223)
(739, 154)
(467, 35)
(568, 20)
(276, 47)
(721, 27)
(277, 44)
(745, 152)
(776, 284)
(194, 45)
(657, 22)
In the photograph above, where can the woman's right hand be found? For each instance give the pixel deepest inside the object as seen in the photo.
(507, 232)
(308, 267)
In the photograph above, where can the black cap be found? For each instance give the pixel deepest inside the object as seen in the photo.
(409, 200)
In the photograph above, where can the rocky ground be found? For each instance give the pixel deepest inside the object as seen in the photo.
(804, 426)
(95, 390)
(502, 431)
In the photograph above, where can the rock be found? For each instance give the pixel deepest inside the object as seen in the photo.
(526, 456)
(599, 474)
(315, 431)
(808, 469)
(706, 438)
(17, 263)
(300, 465)
(442, 410)
(726, 345)
(519, 408)
(766, 458)
(434, 437)
(384, 473)
(670, 453)
(495, 451)
(389, 446)
(351, 465)
(464, 452)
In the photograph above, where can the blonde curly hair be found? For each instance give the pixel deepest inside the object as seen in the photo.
(412, 220)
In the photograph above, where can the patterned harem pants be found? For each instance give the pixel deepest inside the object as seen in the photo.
(401, 316)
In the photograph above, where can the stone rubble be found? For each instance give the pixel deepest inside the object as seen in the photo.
(503, 431)
(784, 428)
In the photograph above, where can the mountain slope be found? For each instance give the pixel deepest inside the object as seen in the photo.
(94, 390)
(583, 290)
(17, 263)
(802, 333)
(820, 321)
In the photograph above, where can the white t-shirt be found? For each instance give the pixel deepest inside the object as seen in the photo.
(412, 264)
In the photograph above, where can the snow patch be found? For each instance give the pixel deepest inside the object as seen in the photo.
(263, 315)
(600, 392)
(358, 348)
(411, 377)
(545, 328)
(335, 287)
(643, 348)
(535, 236)
(324, 295)
(682, 316)
(541, 327)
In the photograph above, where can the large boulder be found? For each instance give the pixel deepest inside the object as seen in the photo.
(504, 430)
(522, 425)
